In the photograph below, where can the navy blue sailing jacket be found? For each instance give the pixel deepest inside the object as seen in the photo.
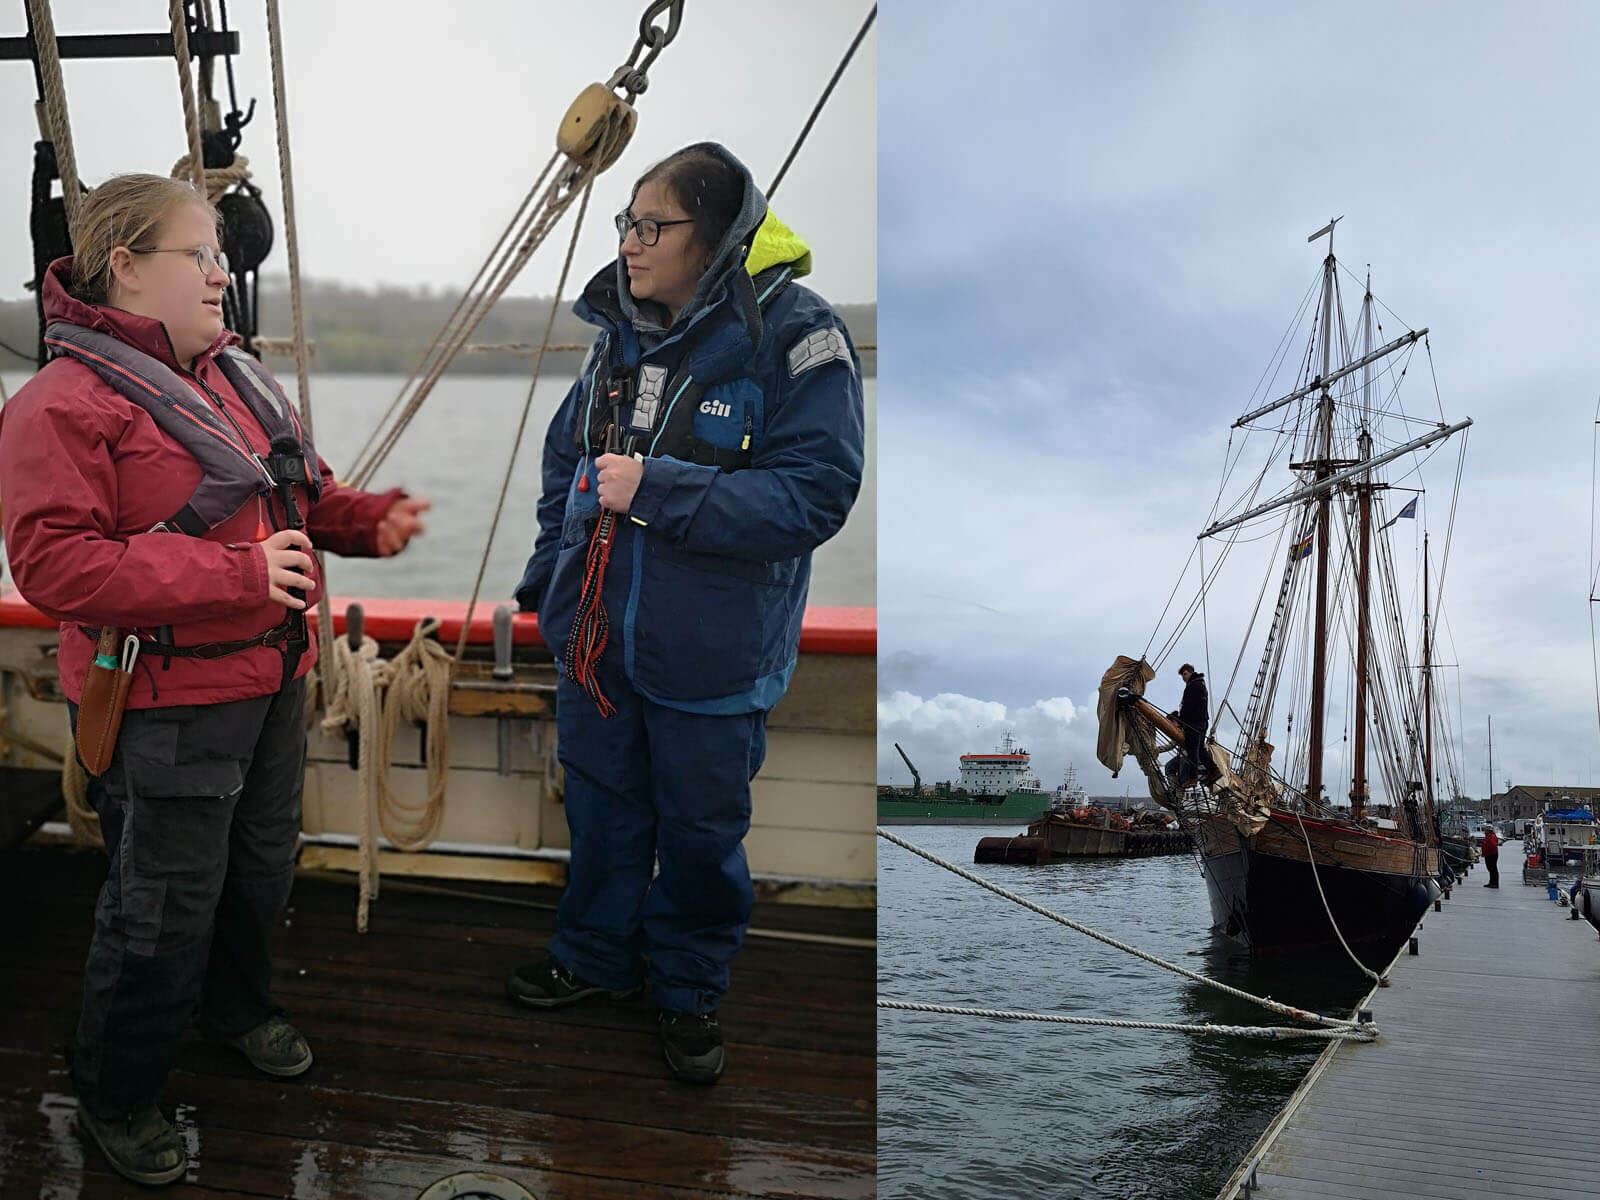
(708, 578)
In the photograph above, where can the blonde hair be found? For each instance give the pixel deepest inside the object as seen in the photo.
(125, 210)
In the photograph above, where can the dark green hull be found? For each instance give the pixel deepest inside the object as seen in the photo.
(1016, 807)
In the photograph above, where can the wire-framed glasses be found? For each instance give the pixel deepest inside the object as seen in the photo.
(648, 229)
(204, 257)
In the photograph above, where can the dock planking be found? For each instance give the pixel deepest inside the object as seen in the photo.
(423, 1069)
(1491, 1040)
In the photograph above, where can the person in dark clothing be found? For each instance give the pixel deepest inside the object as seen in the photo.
(1491, 856)
(1194, 715)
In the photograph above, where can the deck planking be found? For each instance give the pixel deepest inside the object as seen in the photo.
(424, 1069)
(1490, 1042)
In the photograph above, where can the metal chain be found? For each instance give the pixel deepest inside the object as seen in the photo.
(632, 75)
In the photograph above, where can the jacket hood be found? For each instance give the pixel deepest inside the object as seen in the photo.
(756, 241)
(142, 333)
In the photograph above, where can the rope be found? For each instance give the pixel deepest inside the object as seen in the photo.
(522, 423)
(84, 820)
(55, 107)
(280, 105)
(353, 679)
(826, 92)
(1316, 877)
(418, 690)
(216, 180)
(1271, 1005)
(1356, 1033)
(551, 207)
(194, 161)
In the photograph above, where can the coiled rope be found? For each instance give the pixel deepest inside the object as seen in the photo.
(1266, 1002)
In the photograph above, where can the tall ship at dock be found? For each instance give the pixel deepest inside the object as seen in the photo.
(991, 788)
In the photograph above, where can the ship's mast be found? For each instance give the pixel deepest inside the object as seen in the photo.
(1358, 783)
(1324, 468)
(1427, 687)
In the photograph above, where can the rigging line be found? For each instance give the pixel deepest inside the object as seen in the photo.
(1594, 479)
(1266, 1002)
(55, 107)
(1427, 344)
(1270, 372)
(357, 464)
(527, 407)
(1354, 278)
(291, 233)
(1269, 1032)
(10, 349)
(1450, 527)
(191, 112)
(826, 92)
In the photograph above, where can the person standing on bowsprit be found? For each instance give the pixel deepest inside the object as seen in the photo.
(157, 486)
(1194, 714)
(1491, 856)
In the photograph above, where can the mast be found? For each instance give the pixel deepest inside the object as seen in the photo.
(1358, 782)
(1427, 687)
(1324, 466)
(1490, 796)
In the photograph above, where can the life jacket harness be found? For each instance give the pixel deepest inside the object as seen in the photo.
(231, 472)
(647, 412)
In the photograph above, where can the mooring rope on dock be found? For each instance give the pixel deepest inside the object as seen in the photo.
(1362, 1033)
(1266, 1002)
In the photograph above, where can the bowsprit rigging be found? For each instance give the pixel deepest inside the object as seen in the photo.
(1289, 860)
(223, 173)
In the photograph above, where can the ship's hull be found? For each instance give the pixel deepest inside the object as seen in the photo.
(1014, 807)
(1265, 896)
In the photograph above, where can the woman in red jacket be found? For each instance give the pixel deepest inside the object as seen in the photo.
(155, 480)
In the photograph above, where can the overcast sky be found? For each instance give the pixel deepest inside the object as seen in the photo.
(1091, 249)
(417, 128)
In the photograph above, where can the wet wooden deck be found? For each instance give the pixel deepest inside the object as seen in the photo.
(1481, 1084)
(424, 1069)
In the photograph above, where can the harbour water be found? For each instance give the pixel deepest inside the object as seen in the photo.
(972, 1106)
(455, 453)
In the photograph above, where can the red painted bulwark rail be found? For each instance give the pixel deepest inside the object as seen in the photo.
(823, 630)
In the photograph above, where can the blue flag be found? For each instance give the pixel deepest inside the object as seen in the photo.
(1410, 510)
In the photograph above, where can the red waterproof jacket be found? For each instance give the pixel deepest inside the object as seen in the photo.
(1491, 843)
(84, 473)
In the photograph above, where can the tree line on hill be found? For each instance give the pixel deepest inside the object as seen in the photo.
(385, 330)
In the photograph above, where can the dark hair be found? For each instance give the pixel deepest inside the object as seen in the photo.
(706, 186)
(1185, 667)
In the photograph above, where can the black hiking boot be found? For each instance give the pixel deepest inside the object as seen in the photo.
(141, 1146)
(693, 1042)
(274, 1047)
(548, 984)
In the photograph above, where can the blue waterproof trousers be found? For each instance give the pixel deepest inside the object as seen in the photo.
(655, 784)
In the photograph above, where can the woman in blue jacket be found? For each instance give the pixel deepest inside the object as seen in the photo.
(712, 442)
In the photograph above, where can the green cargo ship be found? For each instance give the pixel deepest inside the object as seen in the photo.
(993, 789)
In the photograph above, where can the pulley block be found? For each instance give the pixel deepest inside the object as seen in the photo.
(597, 127)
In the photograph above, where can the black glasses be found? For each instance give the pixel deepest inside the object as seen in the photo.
(648, 229)
(204, 257)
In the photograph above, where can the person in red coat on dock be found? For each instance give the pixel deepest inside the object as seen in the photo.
(1491, 856)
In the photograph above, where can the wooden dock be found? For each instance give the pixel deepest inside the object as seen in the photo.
(1482, 1082)
(423, 1069)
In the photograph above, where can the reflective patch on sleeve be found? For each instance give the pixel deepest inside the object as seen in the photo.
(823, 346)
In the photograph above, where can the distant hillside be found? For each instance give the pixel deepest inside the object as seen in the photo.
(385, 330)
